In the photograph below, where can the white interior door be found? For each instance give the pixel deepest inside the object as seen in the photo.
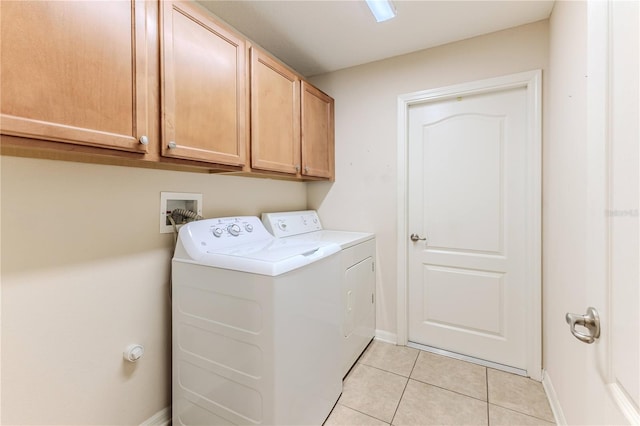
(470, 180)
(612, 394)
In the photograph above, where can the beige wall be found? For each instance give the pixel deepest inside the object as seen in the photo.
(365, 192)
(85, 273)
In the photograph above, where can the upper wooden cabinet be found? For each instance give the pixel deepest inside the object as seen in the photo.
(291, 121)
(75, 72)
(318, 132)
(154, 84)
(275, 115)
(204, 87)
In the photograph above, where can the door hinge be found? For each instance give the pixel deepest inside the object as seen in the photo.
(373, 266)
(372, 301)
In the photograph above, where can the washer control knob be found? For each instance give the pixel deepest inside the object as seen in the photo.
(282, 225)
(248, 227)
(217, 232)
(234, 229)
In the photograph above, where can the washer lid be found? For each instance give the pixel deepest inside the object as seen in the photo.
(276, 250)
(254, 251)
(274, 258)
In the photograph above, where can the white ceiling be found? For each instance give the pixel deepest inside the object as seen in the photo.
(314, 37)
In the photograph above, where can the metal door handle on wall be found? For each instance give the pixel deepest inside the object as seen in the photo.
(416, 237)
(591, 321)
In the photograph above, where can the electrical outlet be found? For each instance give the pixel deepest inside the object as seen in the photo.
(170, 201)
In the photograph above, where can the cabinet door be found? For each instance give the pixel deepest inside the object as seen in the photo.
(204, 98)
(275, 115)
(317, 133)
(75, 72)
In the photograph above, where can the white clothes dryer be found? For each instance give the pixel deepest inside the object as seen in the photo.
(255, 326)
(358, 277)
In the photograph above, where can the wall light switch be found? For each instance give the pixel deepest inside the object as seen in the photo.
(170, 201)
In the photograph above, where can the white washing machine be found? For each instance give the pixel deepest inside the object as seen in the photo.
(358, 279)
(255, 326)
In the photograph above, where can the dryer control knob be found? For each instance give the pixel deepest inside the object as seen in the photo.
(217, 232)
(282, 225)
(249, 227)
(234, 229)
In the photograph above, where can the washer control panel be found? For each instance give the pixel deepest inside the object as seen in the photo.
(219, 234)
(284, 224)
(231, 227)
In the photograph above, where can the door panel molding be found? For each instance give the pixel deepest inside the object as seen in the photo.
(489, 133)
(453, 281)
(532, 82)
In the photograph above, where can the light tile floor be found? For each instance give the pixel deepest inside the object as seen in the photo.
(398, 385)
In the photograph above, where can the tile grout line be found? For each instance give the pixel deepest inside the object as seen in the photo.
(399, 400)
(363, 413)
(486, 401)
(386, 371)
(515, 410)
(403, 390)
(449, 390)
(486, 383)
(427, 383)
(521, 413)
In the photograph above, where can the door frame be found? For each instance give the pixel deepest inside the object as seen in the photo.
(532, 81)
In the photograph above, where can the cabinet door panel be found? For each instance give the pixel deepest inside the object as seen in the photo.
(204, 96)
(75, 72)
(275, 115)
(317, 133)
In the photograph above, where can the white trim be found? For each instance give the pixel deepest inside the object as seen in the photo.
(624, 404)
(385, 336)
(1, 308)
(161, 418)
(466, 358)
(554, 402)
(532, 81)
(404, 101)
(534, 227)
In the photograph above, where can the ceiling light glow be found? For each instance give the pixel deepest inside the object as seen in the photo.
(382, 10)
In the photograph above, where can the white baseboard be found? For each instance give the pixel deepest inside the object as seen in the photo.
(554, 402)
(161, 418)
(386, 336)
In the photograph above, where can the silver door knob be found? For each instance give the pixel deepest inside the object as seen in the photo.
(590, 321)
(416, 237)
(144, 140)
(172, 145)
